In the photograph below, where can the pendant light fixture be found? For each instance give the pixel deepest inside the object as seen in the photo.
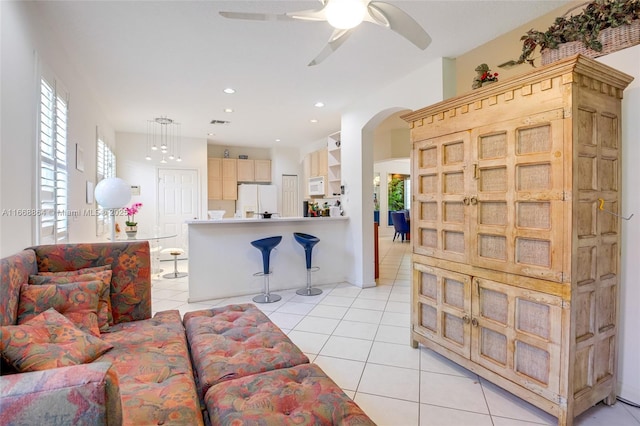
(164, 135)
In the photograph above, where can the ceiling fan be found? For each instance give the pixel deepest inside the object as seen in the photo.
(344, 16)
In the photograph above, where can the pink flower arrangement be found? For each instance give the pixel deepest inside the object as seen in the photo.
(131, 214)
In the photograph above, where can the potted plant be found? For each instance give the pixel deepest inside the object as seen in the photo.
(131, 225)
(593, 32)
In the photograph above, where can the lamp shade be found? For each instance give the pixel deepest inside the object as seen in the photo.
(113, 193)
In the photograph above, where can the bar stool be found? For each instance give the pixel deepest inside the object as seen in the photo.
(308, 241)
(265, 245)
(175, 252)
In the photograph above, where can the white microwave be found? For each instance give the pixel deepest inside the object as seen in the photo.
(316, 185)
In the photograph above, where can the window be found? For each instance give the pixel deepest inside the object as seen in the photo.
(52, 158)
(105, 168)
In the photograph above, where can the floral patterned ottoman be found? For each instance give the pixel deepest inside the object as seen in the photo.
(236, 341)
(300, 395)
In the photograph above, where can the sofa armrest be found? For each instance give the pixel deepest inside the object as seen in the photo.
(86, 394)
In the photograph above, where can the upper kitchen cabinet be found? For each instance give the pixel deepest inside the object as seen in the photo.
(262, 171)
(254, 170)
(222, 183)
(319, 163)
(214, 178)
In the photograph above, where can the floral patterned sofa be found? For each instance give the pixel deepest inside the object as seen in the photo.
(79, 346)
(133, 370)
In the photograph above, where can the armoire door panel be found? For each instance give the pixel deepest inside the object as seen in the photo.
(517, 201)
(444, 300)
(443, 174)
(517, 334)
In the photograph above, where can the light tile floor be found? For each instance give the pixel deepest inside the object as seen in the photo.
(360, 338)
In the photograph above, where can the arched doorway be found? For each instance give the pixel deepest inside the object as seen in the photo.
(386, 141)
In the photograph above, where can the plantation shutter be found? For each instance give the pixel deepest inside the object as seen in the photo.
(53, 177)
(106, 168)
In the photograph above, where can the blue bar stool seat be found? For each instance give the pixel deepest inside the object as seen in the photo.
(307, 242)
(265, 245)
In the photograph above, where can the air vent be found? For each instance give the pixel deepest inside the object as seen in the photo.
(219, 121)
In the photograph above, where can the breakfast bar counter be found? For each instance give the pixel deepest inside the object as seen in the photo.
(222, 261)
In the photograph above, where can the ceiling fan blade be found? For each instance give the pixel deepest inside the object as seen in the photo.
(302, 15)
(399, 21)
(337, 38)
(256, 16)
(309, 15)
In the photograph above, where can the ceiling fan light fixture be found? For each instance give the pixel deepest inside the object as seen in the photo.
(345, 14)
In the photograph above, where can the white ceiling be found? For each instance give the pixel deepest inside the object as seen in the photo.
(145, 59)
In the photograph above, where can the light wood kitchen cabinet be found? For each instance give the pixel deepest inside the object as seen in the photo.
(214, 178)
(262, 170)
(515, 263)
(319, 163)
(221, 179)
(229, 179)
(246, 171)
(306, 171)
(254, 170)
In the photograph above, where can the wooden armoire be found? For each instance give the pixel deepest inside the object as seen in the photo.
(516, 242)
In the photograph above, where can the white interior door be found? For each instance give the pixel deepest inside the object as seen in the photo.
(177, 202)
(290, 204)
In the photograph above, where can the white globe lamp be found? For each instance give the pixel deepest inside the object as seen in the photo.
(112, 193)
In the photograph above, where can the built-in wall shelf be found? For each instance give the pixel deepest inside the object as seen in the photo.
(334, 163)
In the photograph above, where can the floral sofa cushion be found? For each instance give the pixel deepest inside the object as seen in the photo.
(105, 318)
(49, 340)
(130, 265)
(82, 271)
(235, 341)
(156, 379)
(300, 395)
(76, 301)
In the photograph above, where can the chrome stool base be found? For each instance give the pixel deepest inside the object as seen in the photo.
(175, 275)
(309, 291)
(267, 298)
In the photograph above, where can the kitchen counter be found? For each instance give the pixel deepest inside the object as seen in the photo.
(260, 220)
(222, 261)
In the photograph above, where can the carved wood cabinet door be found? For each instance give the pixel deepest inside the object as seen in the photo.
(443, 314)
(517, 333)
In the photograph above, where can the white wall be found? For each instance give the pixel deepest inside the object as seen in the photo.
(26, 47)
(418, 89)
(133, 168)
(628, 61)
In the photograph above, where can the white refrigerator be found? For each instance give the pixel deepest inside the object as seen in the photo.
(257, 199)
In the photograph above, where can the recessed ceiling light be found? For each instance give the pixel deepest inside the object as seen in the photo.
(277, 140)
(313, 120)
(319, 104)
(210, 134)
(228, 110)
(229, 91)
